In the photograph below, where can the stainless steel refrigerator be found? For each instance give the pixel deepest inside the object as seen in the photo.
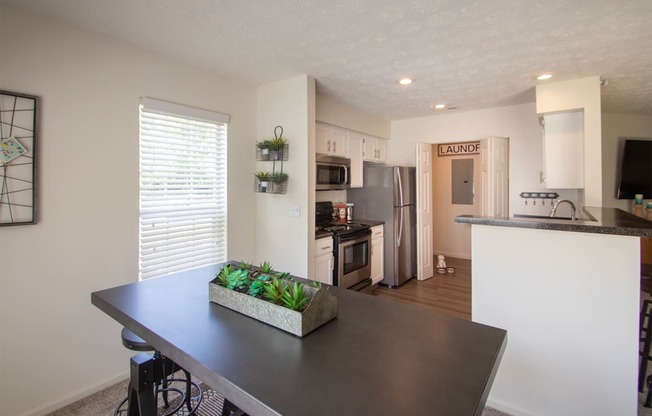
(389, 194)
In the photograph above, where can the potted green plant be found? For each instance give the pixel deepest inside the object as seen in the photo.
(276, 146)
(264, 147)
(263, 180)
(275, 298)
(278, 180)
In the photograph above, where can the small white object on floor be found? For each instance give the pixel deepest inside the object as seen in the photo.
(441, 264)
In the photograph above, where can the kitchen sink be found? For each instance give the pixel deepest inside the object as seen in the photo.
(546, 217)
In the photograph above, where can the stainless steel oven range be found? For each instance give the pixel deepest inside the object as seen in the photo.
(351, 249)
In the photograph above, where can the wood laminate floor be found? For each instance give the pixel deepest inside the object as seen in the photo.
(449, 293)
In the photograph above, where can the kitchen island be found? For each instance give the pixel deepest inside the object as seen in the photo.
(377, 357)
(568, 294)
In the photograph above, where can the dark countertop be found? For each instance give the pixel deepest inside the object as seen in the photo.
(371, 223)
(607, 221)
(322, 234)
(378, 357)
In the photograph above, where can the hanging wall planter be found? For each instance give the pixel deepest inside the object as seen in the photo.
(272, 150)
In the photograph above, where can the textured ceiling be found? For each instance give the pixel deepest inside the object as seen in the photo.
(470, 54)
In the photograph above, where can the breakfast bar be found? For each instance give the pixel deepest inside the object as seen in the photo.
(377, 357)
(568, 294)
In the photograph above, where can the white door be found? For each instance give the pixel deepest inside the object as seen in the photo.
(494, 152)
(425, 267)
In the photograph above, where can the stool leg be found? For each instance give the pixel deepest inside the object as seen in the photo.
(645, 327)
(140, 399)
(648, 400)
(188, 390)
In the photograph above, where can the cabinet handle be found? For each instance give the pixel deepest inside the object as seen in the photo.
(334, 147)
(325, 248)
(329, 145)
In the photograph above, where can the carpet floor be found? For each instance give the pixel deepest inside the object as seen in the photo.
(104, 402)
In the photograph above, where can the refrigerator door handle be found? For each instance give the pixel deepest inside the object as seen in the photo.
(400, 228)
(400, 185)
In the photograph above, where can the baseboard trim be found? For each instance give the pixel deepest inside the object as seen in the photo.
(74, 396)
(455, 255)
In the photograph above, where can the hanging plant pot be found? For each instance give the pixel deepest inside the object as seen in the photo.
(262, 186)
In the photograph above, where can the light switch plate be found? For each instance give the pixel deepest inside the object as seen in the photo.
(295, 211)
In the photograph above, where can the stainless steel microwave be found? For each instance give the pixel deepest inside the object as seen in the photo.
(333, 173)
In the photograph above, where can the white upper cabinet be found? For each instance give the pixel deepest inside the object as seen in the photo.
(375, 149)
(563, 144)
(331, 140)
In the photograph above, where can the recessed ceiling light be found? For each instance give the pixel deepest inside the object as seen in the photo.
(544, 76)
(405, 81)
(440, 106)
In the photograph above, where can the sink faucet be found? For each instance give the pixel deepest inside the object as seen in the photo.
(553, 211)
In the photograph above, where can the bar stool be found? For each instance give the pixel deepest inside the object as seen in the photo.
(645, 337)
(150, 375)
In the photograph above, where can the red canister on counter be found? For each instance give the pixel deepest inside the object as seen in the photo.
(341, 212)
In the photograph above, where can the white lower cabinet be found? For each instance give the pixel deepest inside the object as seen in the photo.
(377, 253)
(324, 260)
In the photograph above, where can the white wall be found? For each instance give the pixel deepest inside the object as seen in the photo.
(571, 321)
(576, 94)
(519, 123)
(615, 128)
(287, 242)
(55, 346)
(338, 114)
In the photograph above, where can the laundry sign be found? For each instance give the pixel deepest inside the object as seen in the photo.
(455, 149)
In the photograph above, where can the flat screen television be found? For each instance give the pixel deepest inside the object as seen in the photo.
(636, 170)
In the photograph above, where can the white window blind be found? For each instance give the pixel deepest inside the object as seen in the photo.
(182, 187)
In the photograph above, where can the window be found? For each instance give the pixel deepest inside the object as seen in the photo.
(182, 188)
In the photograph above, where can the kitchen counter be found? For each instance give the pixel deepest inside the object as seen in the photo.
(598, 220)
(323, 234)
(568, 294)
(371, 223)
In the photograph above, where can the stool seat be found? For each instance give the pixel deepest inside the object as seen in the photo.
(134, 342)
(156, 371)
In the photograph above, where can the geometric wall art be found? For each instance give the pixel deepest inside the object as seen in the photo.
(18, 142)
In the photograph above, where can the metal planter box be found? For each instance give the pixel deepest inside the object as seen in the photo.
(321, 309)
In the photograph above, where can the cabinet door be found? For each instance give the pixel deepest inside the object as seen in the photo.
(338, 142)
(324, 269)
(324, 260)
(564, 150)
(377, 253)
(355, 143)
(381, 150)
(369, 148)
(322, 139)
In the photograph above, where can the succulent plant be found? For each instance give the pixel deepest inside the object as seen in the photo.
(263, 176)
(294, 298)
(244, 265)
(237, 280)
(266, 267)
(223, 274)
(279, 177)
(263, 144)
(257, 287)
(276, 143)
(274, 290)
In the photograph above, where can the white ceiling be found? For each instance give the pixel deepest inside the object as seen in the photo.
(470, 54)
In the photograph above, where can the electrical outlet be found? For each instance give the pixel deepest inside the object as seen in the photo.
(295, 211)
